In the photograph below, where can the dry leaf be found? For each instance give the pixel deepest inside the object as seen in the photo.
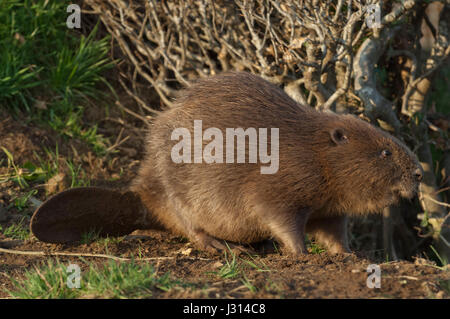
(42, 105)
(19, 38)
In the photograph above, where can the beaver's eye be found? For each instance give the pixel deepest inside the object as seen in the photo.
(385, 153)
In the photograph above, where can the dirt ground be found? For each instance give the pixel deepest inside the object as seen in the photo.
(319, 275)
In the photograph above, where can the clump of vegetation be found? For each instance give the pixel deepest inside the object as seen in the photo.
(47, 70)
(236, 267)
(113, 280)
(40, 172)
(16, 231)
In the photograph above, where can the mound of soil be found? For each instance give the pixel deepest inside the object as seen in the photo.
(276, 276)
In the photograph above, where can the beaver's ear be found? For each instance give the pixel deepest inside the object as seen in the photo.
(338, 136)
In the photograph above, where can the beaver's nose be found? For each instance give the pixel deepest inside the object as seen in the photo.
(418, 174)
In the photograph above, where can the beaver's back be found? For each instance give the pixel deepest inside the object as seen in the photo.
(315, 171)
(226, 192)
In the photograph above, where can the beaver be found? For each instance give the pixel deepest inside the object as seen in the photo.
(324, 167)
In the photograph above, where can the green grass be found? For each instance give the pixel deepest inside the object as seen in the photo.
(50, 72)
(113, 280)
(21, 202)
(315, 248)
(29, 172)
(442, 260)
(78, 175)
(16, 231)
(259, 266)
(106, 241)
(69, 125)
(89, 237)
(18, 175)
(248, 284)
(42, 172)
(231, 269)
(94, 236)
(235, 268)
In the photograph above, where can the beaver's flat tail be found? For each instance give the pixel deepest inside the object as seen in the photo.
(70, 215)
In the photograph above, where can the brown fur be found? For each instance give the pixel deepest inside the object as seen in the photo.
(318, 183)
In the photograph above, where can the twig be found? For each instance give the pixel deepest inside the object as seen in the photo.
(398, 11)
(143, 119)
(413, 82)
(441, 190)
(408, 277)
(436, 201)
(49, 254)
